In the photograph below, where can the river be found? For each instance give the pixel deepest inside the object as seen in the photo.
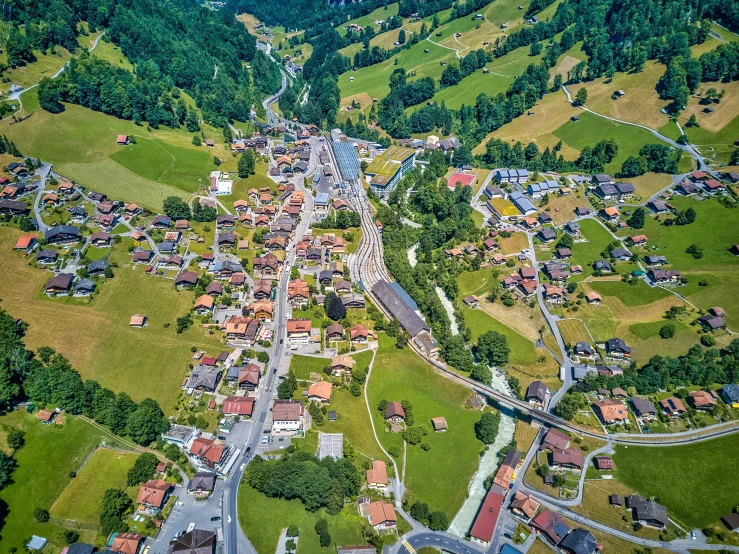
(488, 464)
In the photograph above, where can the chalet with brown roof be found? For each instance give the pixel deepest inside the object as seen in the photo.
(204, 304)
(122, 140)
(138, 320)
(439, 424)
(261, 310)
(703, 400)
(186, 279)
(263, 289)
(341, 364)
(611, 411)
(335, 332)
(555, 439)
(377, 476)
(394, 412)
(593, 298)
(320, 392)
(249, 376)
(208, 452)
(570, 458)
(603, 463)
(524, 506)
(237, 280)
(358, 333)
(153, 495)
(131, 210)
(127, 543)
(673, 406)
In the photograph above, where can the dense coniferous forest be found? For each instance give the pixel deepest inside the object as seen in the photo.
(173, 45)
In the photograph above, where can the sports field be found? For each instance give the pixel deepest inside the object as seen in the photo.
(80, 499)
(96, 336)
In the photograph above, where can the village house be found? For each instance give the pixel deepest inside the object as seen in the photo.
(204, 304)
(26, 243)
(208, 453)
(673, 407)
(47, 257)
(335, 332)
(647, 512)
(261, 310)
(703, 400)
(611, 411)
(551, 526)
(358, 333)
(153, 495)
(320, 392)
(287, 417)
(59, 285)
(618, 349)
(382, 516)
(394, 413)
(643, 409)
(242, 406)
(524, 506)
(537, 393)
(377, 476)
(299, 330)
(186, 279)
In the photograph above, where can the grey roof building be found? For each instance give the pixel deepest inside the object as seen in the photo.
(579, 541)
(197, 541)
(204, 377)
(406, 316)
(202, 481)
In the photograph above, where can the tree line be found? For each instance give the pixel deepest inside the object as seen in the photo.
(48, 379)
(316, 483)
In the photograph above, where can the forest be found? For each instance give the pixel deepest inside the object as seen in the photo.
(170, 52)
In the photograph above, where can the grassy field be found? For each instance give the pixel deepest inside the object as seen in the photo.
(478, 282)
(96, 336)
(562, 208)
(550, 113)
(112, 54)
(587, 253)
(432, 476)
(164, 164)
(591, 129)
(303, 366)
(263, 518)
(524, 436)
(184, 168)
(669, 474)
(51, 453)
(513, 244)
(522, 349)
(573, 331)
(80, 500)
(117, 182)
(368, 20)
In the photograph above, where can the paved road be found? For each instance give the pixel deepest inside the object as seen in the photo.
(43, 173)
(445, 541)
(234, 537)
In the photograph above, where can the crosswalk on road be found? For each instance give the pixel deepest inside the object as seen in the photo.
(408, 546)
